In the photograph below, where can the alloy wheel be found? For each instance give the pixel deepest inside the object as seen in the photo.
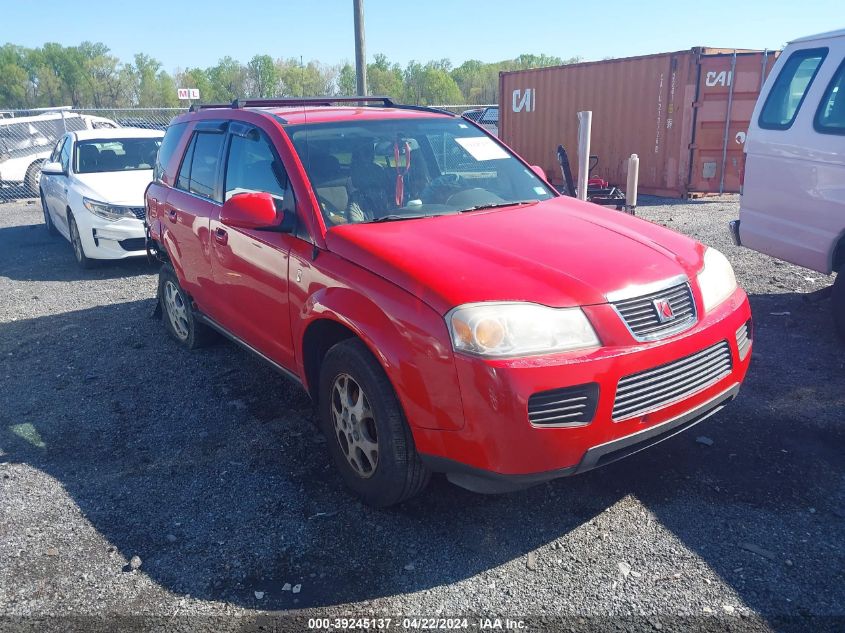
(76, 241)
(177, 310)
(355, 425)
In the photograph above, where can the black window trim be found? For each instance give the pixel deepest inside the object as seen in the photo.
(839, 73)
(802, 52)
(205, 127)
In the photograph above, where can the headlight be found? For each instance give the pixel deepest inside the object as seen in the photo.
(518, 329)
(716, 280)
(107, 211)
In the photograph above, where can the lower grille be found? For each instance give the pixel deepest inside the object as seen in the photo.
(569, 406)
(139, 212)
(655, 388)
(743, 339)
(133, 244)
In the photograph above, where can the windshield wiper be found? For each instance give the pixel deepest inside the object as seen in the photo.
(393, 217)
(497, 205)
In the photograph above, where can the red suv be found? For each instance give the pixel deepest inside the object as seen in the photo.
(444, 307)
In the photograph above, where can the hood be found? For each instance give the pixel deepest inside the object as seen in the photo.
(125, 188)
(559, 253)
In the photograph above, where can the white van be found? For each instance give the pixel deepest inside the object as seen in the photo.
(25, 142)
(793, 195)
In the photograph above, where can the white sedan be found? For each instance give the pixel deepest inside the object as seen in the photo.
(92, 191)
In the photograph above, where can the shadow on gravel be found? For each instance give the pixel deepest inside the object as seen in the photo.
(207, 466)
(29, 253)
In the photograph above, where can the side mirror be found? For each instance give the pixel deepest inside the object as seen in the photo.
(539, 171)
(250, 211)
(52, 169)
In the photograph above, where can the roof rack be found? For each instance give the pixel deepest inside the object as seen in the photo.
(386, 102)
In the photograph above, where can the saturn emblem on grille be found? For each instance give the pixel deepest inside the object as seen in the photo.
(664, 310)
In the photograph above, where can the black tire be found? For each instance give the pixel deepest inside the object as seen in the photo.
(837, 300)
(177, 312)
(82, 259)
(32, 180)
(48, 221)
(398, 473)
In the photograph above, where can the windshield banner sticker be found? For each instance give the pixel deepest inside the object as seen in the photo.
(482, 148)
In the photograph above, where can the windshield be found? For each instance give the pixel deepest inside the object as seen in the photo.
(366, 171)
(115, 154)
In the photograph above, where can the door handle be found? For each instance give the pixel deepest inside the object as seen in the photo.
(221, 236)
(171, 214)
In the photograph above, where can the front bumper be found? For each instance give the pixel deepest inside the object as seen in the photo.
(103, 239)
(498, 448)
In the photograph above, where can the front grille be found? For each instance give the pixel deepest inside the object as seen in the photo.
(133, 244)
(569, 406)
(655, 388)
(743, 339)
(139, 212)
(641, 316)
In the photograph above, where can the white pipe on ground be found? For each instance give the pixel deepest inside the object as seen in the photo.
(633, 181)
(585, 124)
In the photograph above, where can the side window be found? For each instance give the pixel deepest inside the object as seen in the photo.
(168, 146)
(57, 150)
(830, 118)
(198, 173)
(65, 155)
(790, 88)
(253, 166)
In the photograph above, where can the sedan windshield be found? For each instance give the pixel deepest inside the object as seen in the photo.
(365, 171)
(115, 154)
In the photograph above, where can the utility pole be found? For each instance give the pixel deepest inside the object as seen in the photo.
(360, 49)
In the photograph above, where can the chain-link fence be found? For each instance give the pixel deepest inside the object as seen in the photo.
(27, 137)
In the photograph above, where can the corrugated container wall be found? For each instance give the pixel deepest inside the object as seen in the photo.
(671, 109)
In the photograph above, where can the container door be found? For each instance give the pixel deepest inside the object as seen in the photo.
(728, 87)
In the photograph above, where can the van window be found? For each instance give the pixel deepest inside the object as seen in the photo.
(790, 88)
(830, 118)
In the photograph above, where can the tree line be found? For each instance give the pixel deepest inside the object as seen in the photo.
(89, 76)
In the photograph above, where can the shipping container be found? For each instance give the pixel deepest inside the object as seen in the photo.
(685, 114)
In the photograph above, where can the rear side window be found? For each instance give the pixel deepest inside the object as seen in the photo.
(790, 88)
(830, 118)
(168, 146)
(198, 173)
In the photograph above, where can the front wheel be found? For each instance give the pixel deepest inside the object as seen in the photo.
(365, 428)
(838, 303)
(82, 259)
(48, 220)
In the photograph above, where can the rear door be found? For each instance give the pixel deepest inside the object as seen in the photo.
(250, 266)
(186, 212)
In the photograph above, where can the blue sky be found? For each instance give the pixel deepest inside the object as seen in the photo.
(183, 34)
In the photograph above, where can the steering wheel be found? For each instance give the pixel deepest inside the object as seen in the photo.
(440, 189)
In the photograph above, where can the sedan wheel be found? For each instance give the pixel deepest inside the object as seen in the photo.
(76, 242)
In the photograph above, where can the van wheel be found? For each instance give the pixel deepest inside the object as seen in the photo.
(33, 178)
(179, 317)
(365, 429)
(838, 303)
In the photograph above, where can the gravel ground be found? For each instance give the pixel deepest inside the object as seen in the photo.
(189, 488)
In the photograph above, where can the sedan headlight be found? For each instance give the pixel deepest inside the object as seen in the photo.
(518, 329)
(107, 211)
(716, 280)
